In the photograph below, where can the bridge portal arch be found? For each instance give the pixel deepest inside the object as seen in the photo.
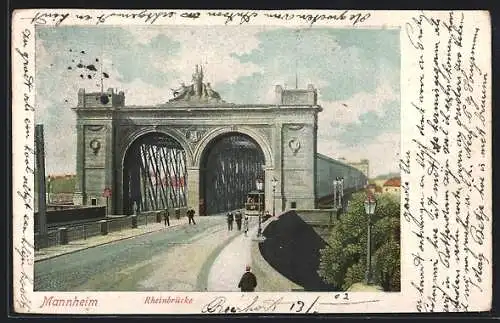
(220, 132)
(229, 165)
(153, 171)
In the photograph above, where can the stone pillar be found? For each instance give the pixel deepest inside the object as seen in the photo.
(79, 195)
(298, 178)
(277, 171)
(109, 169)
(193, 188)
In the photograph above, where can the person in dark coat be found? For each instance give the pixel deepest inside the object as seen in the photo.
(190, 214)
(248, 281)
(166, 218)
(230, 219)
(238, 217)
(245, 225)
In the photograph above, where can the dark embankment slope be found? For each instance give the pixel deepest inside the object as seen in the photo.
(292, 248)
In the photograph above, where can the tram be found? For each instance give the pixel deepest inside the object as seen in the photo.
(255, 203)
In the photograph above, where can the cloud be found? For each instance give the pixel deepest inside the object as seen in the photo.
(361, 127)
(350, 110)
(383, 152)
(343, 62)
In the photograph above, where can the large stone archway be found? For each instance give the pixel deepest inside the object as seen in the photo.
(153, 174)
(285, 131)
(124, 145)
(229, 167)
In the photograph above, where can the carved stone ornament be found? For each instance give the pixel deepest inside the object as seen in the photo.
(95, 145)
(194, 135)
(294, 145)
(95, 127)
(295, 126)
(198, 91)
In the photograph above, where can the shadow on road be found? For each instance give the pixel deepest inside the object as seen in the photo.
(292, 248)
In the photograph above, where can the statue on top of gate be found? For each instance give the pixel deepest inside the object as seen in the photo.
(197, 91)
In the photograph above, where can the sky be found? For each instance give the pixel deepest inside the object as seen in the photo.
(356, 73)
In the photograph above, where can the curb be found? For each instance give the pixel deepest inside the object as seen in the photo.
(202, 278)
(103, 243)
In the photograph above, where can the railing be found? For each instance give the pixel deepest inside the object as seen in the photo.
(52, 238)
(119, 224)
(82, 231)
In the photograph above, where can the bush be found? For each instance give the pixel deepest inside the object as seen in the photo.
(343, 261)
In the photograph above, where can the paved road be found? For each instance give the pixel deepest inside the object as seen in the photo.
(230, 264)
(128, 264)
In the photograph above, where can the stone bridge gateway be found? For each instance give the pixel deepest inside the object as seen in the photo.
(196, 150)
(126, 149)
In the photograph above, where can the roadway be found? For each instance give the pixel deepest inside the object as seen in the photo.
(176, 259)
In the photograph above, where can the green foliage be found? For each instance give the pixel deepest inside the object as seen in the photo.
(59, 184)
(354, 274)
(343, 261)
(63, 184)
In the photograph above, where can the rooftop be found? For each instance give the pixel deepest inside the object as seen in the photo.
(393, 182)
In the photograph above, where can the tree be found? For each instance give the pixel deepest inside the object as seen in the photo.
(343, 261)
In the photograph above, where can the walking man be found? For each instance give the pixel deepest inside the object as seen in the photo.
(190, 214)
(245, 225)
(166, 218)
(248, 281)
(238, 219)
(230, 220)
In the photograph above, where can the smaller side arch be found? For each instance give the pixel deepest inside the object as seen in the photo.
(129, 140)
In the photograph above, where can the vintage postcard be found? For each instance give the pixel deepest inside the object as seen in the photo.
(241, 162)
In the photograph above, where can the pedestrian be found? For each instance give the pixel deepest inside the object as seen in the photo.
(248, 281)
(190, 214)
(238, 218)
(230, 220)
(166, 218)
(245, 225)
(267, 216)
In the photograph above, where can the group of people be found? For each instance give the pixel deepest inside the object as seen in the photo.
(238, 218)
(190, 215)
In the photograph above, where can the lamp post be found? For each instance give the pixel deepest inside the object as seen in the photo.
(274, 182)
(259, 183)
(341, 192)
(338, 192)
(335, 194)
(370, 204)
(49, 188)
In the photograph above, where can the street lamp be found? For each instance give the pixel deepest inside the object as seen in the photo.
(340, 181)
(259, 183)
(370, 204)
(274, 182)
(49, 188)
(338, 192)
(335, 193)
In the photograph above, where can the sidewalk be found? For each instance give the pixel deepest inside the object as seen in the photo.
(77, 245)
(229, 265)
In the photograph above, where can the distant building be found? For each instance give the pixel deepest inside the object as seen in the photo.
(363, 165)
(392, 185)
(374, 188)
